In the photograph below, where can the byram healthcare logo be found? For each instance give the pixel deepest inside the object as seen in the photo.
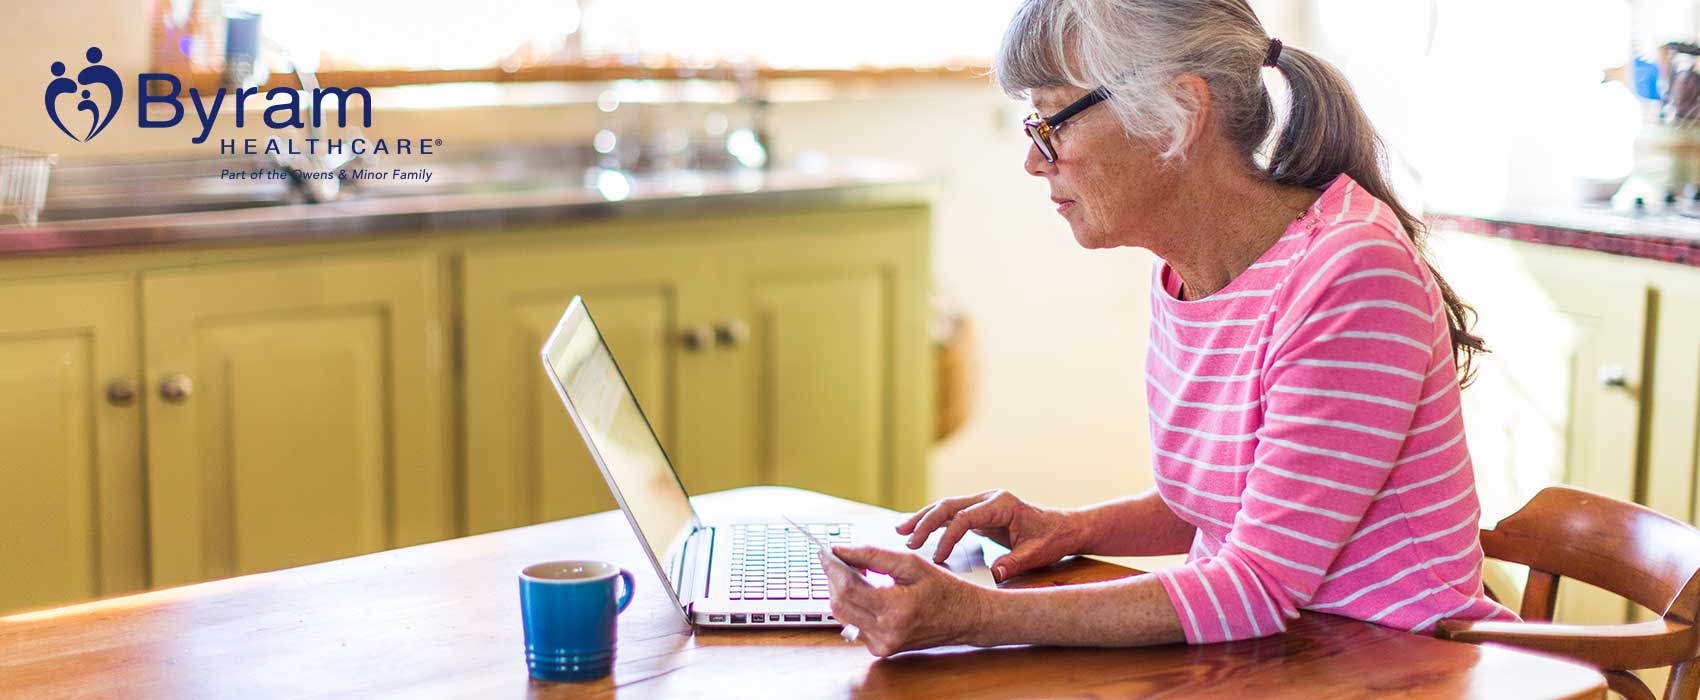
(95, 75)
(161, 103)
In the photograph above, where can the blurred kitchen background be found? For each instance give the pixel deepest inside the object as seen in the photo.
(805, 227)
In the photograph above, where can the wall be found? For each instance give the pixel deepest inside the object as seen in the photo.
(35, 34)
(1060, 416)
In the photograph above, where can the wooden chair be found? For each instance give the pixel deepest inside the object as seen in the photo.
(1627, 549)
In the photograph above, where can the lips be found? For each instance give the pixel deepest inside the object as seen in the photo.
(1063, 205)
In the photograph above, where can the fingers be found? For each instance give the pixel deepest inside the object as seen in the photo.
(844, 583)
(852, 601)
(908, 524)
(1025, 556)
(974, 516)
(913, 524)
(903, 567)
(851, 612)
(939, 513)
(856, 603)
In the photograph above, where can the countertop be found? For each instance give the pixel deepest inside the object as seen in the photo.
(1669, 236)
(675, 193)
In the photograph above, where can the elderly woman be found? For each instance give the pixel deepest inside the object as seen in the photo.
(1304, 364)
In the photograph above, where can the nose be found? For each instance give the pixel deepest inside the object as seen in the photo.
(1035, 164)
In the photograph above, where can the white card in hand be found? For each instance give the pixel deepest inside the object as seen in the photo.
(850, 632)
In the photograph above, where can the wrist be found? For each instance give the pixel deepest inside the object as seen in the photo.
(1080, 526)
(982, 618)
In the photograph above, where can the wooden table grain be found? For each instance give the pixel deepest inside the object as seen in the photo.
(442, 621)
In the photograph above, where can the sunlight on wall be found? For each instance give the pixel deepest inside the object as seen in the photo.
(1482, 102)
(450, 34)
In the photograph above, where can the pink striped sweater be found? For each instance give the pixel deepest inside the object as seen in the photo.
(1306, 419)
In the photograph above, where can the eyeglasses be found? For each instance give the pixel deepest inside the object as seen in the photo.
(1040, 129)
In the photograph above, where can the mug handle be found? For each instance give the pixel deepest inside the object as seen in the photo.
(626, 598)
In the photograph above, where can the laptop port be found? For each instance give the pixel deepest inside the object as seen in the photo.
(738, 619)
(716, 618)
(758, 618)
(811, 618)
(793, 618)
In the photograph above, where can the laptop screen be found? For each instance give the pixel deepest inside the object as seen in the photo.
(619, 436)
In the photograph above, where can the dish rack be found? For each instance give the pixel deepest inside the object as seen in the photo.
(23, 184)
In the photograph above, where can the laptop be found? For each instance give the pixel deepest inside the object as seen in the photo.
(749, 572)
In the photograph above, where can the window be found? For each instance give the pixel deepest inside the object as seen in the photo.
(502, 39)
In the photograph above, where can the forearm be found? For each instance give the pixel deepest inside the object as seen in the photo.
(1126, 612)
(1134, 526)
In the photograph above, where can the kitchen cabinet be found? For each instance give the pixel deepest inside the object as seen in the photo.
(1673, 439)
(71, 497)
(826, 392)
(1673, 426)
(1594, 381)
(1558, 398)
(295, 413)
(776, 349)
(181, 413)
(525, 460)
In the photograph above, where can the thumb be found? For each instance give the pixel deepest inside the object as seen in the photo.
(1025, 556)
(899, 565)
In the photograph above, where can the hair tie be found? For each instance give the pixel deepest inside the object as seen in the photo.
(1274, 53)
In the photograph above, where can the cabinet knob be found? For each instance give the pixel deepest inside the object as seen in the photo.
(695, 338)
(731, 333)
(121, 392)
(1613, 376)
(176, 388)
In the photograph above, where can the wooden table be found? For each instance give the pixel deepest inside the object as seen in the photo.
(442, 620)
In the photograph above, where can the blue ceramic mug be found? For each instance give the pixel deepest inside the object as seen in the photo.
(568, 609)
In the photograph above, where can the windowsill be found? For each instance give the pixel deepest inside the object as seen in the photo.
(207, 81)
(443, 96)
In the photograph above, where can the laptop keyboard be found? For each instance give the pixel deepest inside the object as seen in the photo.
(776, 562)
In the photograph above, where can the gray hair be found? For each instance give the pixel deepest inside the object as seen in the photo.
(1135, 48)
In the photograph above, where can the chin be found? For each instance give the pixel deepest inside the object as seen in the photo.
(1087, 238)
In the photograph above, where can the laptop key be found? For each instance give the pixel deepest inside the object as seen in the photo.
(799, 593)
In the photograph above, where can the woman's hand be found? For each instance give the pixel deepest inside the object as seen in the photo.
(925, 607)
(1036, 536)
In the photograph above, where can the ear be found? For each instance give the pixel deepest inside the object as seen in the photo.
(1191, 89)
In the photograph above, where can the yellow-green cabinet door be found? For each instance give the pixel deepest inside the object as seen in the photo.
(1559, 398)
(821, 353)
(1673, 404)
(295, 413)
(1673, 436)
(525, 460)
(71, 511)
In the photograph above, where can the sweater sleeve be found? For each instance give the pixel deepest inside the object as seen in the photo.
(1348, 358)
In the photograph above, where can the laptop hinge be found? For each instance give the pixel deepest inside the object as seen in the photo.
(695, 561)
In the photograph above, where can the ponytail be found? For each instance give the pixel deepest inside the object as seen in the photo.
(1327, 133)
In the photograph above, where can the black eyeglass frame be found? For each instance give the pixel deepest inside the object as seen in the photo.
(1040, 128)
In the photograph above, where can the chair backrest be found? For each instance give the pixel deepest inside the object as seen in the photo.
(1628, 549)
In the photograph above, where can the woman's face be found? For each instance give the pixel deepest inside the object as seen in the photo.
(1111, 189)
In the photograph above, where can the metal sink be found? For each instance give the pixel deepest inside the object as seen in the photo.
(108, 189)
